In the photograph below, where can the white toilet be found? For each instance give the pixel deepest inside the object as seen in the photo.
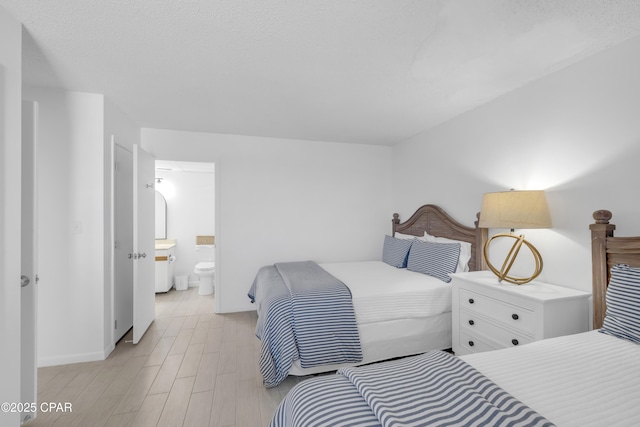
(205, 268)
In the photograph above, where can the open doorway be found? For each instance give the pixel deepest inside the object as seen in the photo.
(189, 191)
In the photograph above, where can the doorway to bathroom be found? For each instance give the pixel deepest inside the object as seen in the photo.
(188, 189)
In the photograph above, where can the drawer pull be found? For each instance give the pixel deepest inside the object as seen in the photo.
(471, 344)
(514, 342)
(515, 316)
(471, 322)
(471, 301)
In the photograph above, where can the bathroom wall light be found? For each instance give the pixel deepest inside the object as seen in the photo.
(166, 187)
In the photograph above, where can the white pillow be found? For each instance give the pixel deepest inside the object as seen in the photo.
(465, 250)
(408, 236)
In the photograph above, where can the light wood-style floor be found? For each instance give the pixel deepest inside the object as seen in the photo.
(191, 368)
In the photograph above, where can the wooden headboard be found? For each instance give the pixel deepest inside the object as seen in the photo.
(607, 251)
(435, 221)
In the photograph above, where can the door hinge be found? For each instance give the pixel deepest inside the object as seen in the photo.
(115, 325)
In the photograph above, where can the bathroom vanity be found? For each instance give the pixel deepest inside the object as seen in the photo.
(165, 261)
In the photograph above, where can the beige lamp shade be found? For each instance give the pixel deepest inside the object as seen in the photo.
(515, 209)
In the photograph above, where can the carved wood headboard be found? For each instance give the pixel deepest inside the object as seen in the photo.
(607, 251)
(436, 222)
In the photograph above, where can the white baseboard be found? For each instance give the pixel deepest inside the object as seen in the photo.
(71, 358)
(108, 350)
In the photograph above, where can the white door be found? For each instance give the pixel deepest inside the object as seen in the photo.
(28, 263)
(144, 197)
(123, 242)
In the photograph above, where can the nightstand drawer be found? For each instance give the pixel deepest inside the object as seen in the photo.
(508, 314)
(475, 325)
(471, 343)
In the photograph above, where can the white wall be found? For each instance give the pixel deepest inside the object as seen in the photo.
(285, 200)
(575, 134)
(71, 225)
(190, 200)
(10, 137)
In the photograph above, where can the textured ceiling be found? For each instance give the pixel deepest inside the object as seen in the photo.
(365, 71)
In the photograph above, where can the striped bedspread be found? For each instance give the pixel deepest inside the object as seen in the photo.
(433, 389)
(303, 313)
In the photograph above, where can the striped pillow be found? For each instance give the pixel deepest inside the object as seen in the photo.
(622, 319)
(395, 251)
(434, 259)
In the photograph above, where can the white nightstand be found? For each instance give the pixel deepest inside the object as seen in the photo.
(489, 315)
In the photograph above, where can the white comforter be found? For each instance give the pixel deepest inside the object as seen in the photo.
(588, 379)
(381, 292)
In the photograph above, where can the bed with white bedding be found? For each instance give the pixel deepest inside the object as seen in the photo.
(560, 377)
(398, 312)
(588, 379)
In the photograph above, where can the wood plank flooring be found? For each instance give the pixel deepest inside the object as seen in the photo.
(191, 368)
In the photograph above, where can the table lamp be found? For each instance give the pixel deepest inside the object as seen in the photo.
(514, 209)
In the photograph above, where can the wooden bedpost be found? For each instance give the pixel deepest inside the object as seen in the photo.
(600, 231)
(395, 221)
(482, 235)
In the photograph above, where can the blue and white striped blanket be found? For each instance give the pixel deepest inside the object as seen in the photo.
(303, 313)
(433, 389)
